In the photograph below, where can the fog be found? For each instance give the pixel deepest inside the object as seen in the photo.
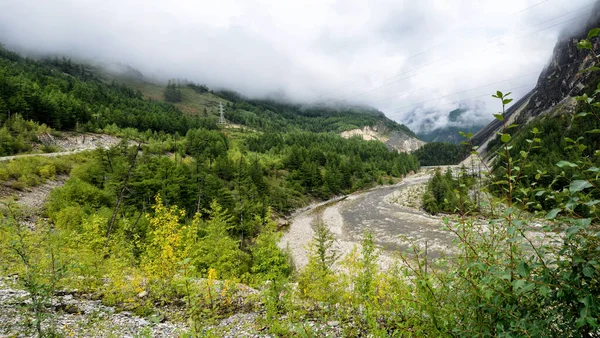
(410, 59)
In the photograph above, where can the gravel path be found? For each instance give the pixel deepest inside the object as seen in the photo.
(76, 315)
(73, 144)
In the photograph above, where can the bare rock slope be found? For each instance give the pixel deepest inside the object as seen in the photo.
(393, 139)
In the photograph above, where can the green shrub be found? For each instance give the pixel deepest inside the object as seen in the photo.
(29, 180)
(47, 171)
(77, 192)
(4, 174)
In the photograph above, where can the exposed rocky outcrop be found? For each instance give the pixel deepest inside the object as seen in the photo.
(393, 139)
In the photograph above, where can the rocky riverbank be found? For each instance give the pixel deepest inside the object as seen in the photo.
(391, 213)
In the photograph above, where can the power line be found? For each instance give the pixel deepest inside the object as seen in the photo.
(527, 34)
(475, 97)
(487, 85)
(438, 98)
(442, 43)
(552, 19)
(448, 61)
(396, 110)
(530, 7)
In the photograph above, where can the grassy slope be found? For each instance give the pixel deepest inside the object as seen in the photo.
(192, 104)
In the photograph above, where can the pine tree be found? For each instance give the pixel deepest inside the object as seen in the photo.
(216, 249)
(317, 279)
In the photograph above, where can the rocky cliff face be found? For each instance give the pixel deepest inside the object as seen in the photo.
(393, 139)
(558, 83)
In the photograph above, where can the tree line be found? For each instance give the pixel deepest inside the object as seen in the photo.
(64, 95)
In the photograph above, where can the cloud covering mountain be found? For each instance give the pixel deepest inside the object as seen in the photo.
(414, 60)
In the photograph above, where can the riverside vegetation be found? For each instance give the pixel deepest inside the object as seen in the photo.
(179, 199)
(185, 218)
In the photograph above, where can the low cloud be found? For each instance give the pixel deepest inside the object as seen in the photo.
(414, 60)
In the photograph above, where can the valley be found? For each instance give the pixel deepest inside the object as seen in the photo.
(395, 225)
(343, 180)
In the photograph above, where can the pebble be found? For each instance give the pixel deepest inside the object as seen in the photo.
(75, 315)
(78, 318)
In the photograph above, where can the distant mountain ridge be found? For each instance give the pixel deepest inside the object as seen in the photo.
(110, 92)
(269, 114)
(449, 133)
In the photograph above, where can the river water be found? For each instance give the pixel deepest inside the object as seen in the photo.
(395, 227)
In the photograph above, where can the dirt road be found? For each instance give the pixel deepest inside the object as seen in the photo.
(73, 144)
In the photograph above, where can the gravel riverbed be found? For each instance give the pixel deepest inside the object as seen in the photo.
(391, 213)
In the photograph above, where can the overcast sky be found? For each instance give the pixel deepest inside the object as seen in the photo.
(407, 58)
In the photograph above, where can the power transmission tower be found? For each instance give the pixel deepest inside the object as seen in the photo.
(221, 114)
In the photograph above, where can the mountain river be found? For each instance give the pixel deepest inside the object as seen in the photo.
(394, 223)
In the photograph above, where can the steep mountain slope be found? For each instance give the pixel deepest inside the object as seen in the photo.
(557, 84)
(66, 95)
(394, 139)
(278, 115)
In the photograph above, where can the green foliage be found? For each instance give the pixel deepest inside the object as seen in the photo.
(198, 88)
(32, 171)
(172, 93)
(439, 153)
(501, 281)
(269, 262)
(34, 256)
(215, 249)
(448, 194)
(277, 116)
(317, 280)
(64, 95)
(367, 268)
(517, 286)
(325, 164)
(563, 139)
(18, 136)
(509, 277)
(164, 247)
(205, 144)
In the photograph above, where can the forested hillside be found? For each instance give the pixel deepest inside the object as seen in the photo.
(179, 224)
(556, 122)
(440, 153)
(66, 95)
(272, 115)
(263, 114)
(60, 94)
(544, 172)
(177, 187)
